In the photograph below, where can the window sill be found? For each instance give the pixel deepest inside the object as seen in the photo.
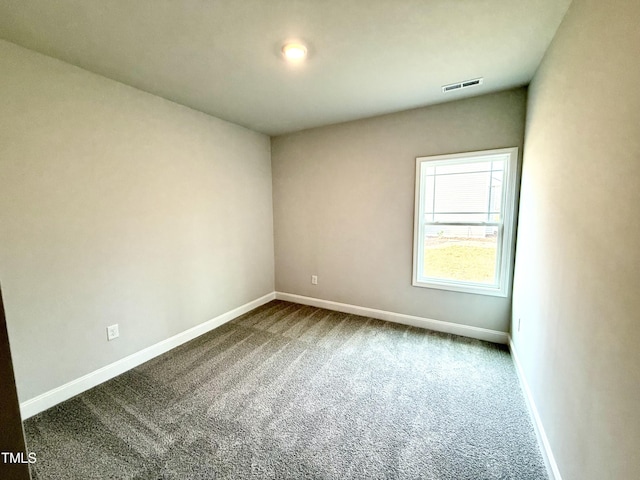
(489, 290)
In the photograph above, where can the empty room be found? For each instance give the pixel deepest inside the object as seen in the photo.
(320, 239)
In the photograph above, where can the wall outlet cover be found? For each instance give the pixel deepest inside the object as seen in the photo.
(113, 332)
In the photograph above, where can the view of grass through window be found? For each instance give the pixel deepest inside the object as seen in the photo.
(461, 259)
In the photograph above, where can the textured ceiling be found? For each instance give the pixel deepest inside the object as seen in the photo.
(222, 57)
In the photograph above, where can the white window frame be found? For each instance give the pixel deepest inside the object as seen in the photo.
(506, 227)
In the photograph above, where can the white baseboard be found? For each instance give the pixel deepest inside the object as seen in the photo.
(421, 322)
(547, 453)
(64, 392)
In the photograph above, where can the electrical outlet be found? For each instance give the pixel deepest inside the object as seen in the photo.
(314, 279)
(113, 332)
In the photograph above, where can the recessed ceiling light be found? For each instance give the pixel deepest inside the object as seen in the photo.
(294, 52)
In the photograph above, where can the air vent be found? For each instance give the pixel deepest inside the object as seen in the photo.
(459, 86)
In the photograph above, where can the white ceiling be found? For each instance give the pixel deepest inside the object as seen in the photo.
(366, 57)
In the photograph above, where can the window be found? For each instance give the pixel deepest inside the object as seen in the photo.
(464, 221)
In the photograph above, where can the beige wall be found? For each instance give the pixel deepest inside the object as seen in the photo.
(344, 198)
(119, 207)
(578, 259)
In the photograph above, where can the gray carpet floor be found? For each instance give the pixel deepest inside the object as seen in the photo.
(294, 392)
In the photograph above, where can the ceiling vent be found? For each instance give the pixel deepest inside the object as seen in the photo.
(459, 86)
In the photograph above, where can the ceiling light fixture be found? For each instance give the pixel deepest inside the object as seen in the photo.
(294, 52)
